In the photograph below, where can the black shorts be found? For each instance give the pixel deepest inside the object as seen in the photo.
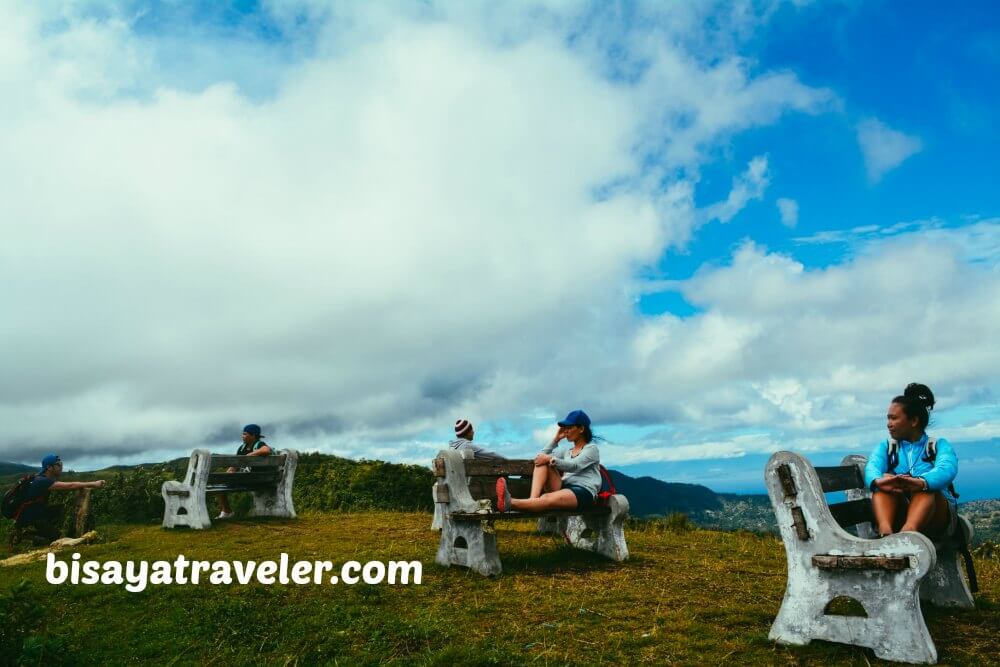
(584, 498)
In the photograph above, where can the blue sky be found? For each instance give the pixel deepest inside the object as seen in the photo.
(723, 228)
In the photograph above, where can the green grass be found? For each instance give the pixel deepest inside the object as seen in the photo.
(684, 597)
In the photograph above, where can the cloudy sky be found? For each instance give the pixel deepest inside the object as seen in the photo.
(721, 229)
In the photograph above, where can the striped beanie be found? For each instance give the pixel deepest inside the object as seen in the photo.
(462, 426)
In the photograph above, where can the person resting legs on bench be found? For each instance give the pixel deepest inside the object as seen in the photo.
(252, 446)
(910, 475)
(565, 480)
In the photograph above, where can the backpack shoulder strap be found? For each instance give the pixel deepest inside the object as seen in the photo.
(892, 454)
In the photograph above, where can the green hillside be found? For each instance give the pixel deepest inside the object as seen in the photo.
(685, 597)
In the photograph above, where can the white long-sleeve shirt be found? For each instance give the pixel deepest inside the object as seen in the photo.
(582, 470)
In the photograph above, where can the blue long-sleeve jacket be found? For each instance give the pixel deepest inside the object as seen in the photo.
(911, 461)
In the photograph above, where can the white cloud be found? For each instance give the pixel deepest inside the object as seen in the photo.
(748, 186)
(884, 148)
(419, 214)
(789, 211)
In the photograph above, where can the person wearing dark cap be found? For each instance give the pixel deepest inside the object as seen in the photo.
(35, 510)
(253, 445)
(567, 479)
(464, 433)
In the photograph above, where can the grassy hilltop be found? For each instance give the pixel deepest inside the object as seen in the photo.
(684, 597)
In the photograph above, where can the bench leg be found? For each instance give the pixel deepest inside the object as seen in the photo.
(273, 503)
(190, 510)
(604, 535)
(466, 543)
(551, 525)
(945, 585)
(894, 627)
(438, 520)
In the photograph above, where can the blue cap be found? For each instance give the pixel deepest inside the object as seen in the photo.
(576, 418)
(50, 460)
(252, 429)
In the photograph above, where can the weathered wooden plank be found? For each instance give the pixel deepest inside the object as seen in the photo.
(441, 494)
(486, 487)
(438, 466)
(787, 483)
(852, 512)
(222, 461)
(799, 521)
(839, 478)
(472, 516)
(830, 562)
(487, 467)
(178, 493)
(238, 489)
(269, 477)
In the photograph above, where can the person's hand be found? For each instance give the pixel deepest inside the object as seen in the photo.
(98, 483)
(888, 483)
(910, 484)
(542, 460)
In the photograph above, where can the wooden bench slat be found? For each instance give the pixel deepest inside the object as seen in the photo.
(236, 489)
(839, 478)
(488, 467)
(831, 562)
(852, 512)
(473, 516)
(222, 461)
(268, 477)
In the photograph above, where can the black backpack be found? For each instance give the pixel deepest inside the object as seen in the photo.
(14, 497)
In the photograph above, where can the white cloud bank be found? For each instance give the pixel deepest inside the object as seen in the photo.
(426, 216)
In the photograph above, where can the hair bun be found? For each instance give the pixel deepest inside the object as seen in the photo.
(920, 392)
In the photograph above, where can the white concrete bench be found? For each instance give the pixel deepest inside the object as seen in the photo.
(886, 576)
(467, 535)
(268, 478)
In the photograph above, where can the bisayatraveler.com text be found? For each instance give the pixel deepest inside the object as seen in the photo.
(136, 576)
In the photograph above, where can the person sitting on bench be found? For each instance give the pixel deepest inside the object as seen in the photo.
(464, 433)
(252, 445)
(35, 511)
(910, 475)
(568, 480)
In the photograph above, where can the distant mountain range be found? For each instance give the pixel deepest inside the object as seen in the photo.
(15, 468)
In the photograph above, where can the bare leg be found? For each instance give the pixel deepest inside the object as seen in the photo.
(886, 507)
(544, 478)
(928, 513)
(563, 499)
(224, 499)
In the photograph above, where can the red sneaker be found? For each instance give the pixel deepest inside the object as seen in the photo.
(503, 495)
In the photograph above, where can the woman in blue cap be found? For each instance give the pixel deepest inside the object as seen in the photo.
(252, 446)
(911, 475)
(567, 479)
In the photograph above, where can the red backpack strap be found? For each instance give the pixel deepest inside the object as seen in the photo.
(606, 476)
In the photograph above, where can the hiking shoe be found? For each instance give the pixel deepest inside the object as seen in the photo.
(224, 515)
(503, 495)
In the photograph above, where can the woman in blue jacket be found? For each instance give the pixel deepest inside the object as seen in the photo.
(911, 480)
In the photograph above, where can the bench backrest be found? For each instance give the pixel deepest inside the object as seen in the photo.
(857, 509)
(265, 471)
(482, 474)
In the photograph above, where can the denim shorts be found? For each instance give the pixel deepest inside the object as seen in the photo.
(584, 498)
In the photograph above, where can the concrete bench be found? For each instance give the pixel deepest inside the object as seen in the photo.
(268, 478)
(887, 576)
(467, 535)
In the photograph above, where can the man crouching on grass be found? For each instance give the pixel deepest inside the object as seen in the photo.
(34, 510)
